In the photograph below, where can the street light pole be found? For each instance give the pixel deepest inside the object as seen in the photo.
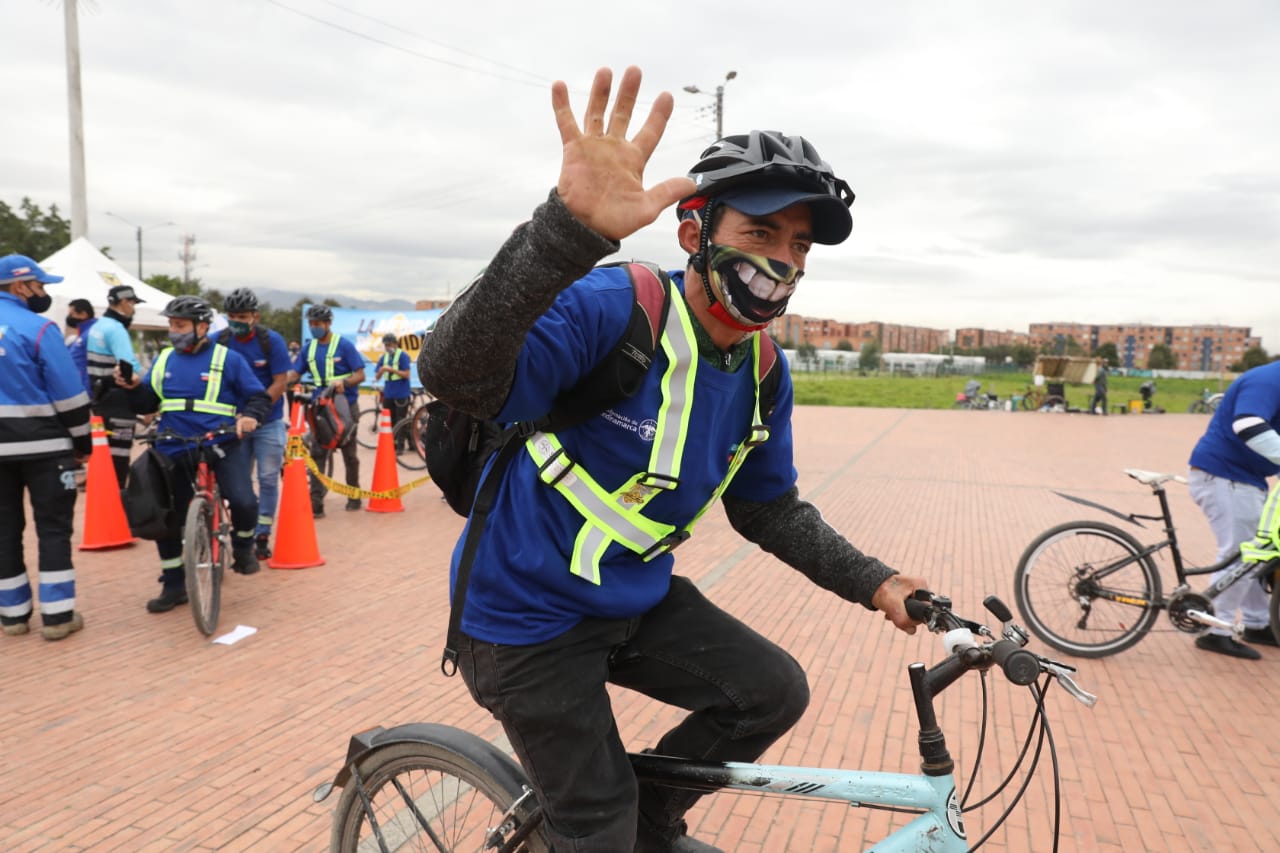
(138, 229)
(719, 96)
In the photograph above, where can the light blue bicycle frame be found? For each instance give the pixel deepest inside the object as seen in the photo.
(940, 829)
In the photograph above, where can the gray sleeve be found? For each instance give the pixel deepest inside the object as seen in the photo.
(469, 359)
(795, 532)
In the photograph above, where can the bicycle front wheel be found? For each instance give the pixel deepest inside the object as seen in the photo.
(367, 428)
(410, 452)
(1086, 590)
(455, 796)
(202, 559)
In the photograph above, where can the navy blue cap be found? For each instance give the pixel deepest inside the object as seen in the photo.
(832, 222)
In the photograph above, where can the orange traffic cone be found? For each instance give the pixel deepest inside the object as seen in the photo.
(385, 477)
(105, 525)
(296, 546)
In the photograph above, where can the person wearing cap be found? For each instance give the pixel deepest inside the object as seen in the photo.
(564, 597)
(109, 345)
(332, 360)
(80, 321)
(199, 386)
(393, 366)
(266, 352)
(44, 436)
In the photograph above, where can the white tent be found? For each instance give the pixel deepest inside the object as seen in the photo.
(89, 274)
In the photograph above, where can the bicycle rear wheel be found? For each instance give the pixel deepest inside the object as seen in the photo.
(451, 797)
(203, 558)
(410, 452)
(1067, 604)
(367, 428)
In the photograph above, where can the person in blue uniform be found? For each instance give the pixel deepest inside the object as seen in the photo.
(81, 319)
(572, 588)
(109, 345)
(199, 386)
(330, 359)
(268, 355)
(393, 368)
(44, 436)
(1230, 465)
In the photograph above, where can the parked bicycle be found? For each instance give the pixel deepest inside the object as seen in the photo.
(1090, 589)
(973, 397)
(431, 786)
(1035, 398)
(1207, 404)
(367, 421)
(206, 532)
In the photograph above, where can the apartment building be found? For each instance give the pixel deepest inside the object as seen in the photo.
(824, 333)
(1204, 347)
(974, 339)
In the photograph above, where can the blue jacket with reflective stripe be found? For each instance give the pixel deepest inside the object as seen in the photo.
(186, 377)
(521, 590)
(44, 410)
(79, 349)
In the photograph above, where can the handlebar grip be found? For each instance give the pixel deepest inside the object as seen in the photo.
(1020, 666)
(917, 609)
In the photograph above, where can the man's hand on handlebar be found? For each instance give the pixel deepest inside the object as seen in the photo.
(245, 424)
(891, 597)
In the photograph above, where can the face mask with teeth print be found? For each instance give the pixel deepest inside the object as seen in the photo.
(752, 288)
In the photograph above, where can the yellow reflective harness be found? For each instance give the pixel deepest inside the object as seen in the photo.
(1266, 545)
(617, 516)
(208, 404)
(328, 360)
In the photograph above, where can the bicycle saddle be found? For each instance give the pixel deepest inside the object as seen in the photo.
(1153, 478)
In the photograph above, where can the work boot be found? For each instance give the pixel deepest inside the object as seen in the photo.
(1260, 637)
(262, 546)
(169, 598)
(15, 629)
(317, 510)
(353, 504)
(243, 562)
(668, 839)
(1227, 646)
(63, 629)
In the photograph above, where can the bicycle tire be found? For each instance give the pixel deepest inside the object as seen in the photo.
(1033, 401)
(1047, 589)
(367, 428)
(409, 451)
(459, 785)
(202, 563)
(1199, 407)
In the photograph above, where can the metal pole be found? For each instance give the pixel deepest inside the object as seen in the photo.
(720, 111)
(75, 118)
(139, 253)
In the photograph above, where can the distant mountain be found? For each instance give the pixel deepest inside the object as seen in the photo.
(286, 298)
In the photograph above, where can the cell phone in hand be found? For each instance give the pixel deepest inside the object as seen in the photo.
(126, 370)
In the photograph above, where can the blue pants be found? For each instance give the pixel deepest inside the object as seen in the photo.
(266, 443)
(231, 463)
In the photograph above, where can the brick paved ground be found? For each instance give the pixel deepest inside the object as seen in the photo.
(138, 734)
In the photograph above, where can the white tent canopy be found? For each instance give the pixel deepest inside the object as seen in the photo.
(89, 274)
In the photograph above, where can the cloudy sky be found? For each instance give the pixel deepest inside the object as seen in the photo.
(1014, 162)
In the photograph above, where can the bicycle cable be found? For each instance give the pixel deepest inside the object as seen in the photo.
(982, 740)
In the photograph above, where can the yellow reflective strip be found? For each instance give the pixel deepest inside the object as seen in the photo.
(690, 342)
(157, 372)
(588, 549)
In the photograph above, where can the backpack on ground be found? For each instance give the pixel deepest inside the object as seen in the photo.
(148, 497)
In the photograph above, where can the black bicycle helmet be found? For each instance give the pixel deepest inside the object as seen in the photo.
(766, 167)
(323, 313)
(239, 300)
(189, 308)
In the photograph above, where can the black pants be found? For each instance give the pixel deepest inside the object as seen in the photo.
(113, 407)
(51, 482)
(398, 409)
(1098, 397)
(350, 461)
(742, 691)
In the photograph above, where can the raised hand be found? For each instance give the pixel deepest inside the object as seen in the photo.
(602, 172)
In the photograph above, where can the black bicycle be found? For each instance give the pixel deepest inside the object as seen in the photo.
(1090, 589)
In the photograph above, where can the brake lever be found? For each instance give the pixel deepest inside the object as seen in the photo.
(1062, 672)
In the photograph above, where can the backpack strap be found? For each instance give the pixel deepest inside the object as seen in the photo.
(264, 341)
(770, 374)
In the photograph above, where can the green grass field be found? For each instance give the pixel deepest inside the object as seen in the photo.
(898, 392)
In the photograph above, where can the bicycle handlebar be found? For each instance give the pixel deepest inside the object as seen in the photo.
(170, 435)
(1019, 665)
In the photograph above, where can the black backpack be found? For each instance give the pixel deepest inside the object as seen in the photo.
(148, 497)
(458, 445)
(264, 341)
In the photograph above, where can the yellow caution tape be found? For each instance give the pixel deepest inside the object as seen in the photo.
(297, 449)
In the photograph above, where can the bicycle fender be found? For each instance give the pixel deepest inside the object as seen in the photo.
(468, 746)
(1129, 517)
